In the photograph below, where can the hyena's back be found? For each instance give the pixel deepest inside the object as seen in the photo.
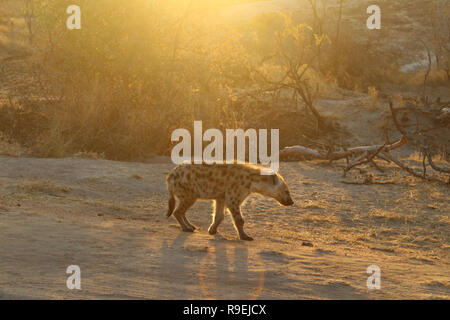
(214, 181)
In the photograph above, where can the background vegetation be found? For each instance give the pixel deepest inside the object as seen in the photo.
(139, 69)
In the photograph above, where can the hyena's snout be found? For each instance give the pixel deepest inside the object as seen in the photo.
(287, 201)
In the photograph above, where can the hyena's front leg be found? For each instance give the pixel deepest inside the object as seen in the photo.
(238, 221)
(186, 221)
(180, 213)
(218, 216)
(190, 225)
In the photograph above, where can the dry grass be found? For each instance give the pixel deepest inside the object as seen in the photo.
(373, 103)
(414, 156)
(43, 186)
(89, 155)
(317, 219)
(389, 215)
(445, 219)
(10, 148)
(314, 204)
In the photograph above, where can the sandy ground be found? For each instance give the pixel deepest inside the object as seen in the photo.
(108, 218)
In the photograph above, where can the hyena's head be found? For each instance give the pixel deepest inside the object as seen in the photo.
(275, 187)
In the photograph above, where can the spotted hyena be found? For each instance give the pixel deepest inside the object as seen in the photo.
(228, 184)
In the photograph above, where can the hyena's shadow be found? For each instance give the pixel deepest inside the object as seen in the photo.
(220, 272)
(229, 271)
(176, 268)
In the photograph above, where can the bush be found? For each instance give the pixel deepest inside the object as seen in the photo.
(133, 73)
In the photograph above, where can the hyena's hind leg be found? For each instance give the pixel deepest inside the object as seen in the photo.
(218, 216)
(180, 214)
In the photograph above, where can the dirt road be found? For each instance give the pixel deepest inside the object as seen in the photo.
(108, 218)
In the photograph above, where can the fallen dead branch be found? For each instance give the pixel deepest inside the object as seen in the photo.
(413, 172)
(367, 157)
(297, 153)
(367, 154)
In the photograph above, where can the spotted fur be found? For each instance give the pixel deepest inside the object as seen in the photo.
(227, 184)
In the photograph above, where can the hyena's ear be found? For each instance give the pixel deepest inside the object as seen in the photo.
(272, 179)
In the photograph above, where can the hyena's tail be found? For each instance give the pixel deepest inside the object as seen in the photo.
(171, 196)
(171, 206)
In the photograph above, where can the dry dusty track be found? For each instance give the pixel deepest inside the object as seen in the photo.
(108, 218)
